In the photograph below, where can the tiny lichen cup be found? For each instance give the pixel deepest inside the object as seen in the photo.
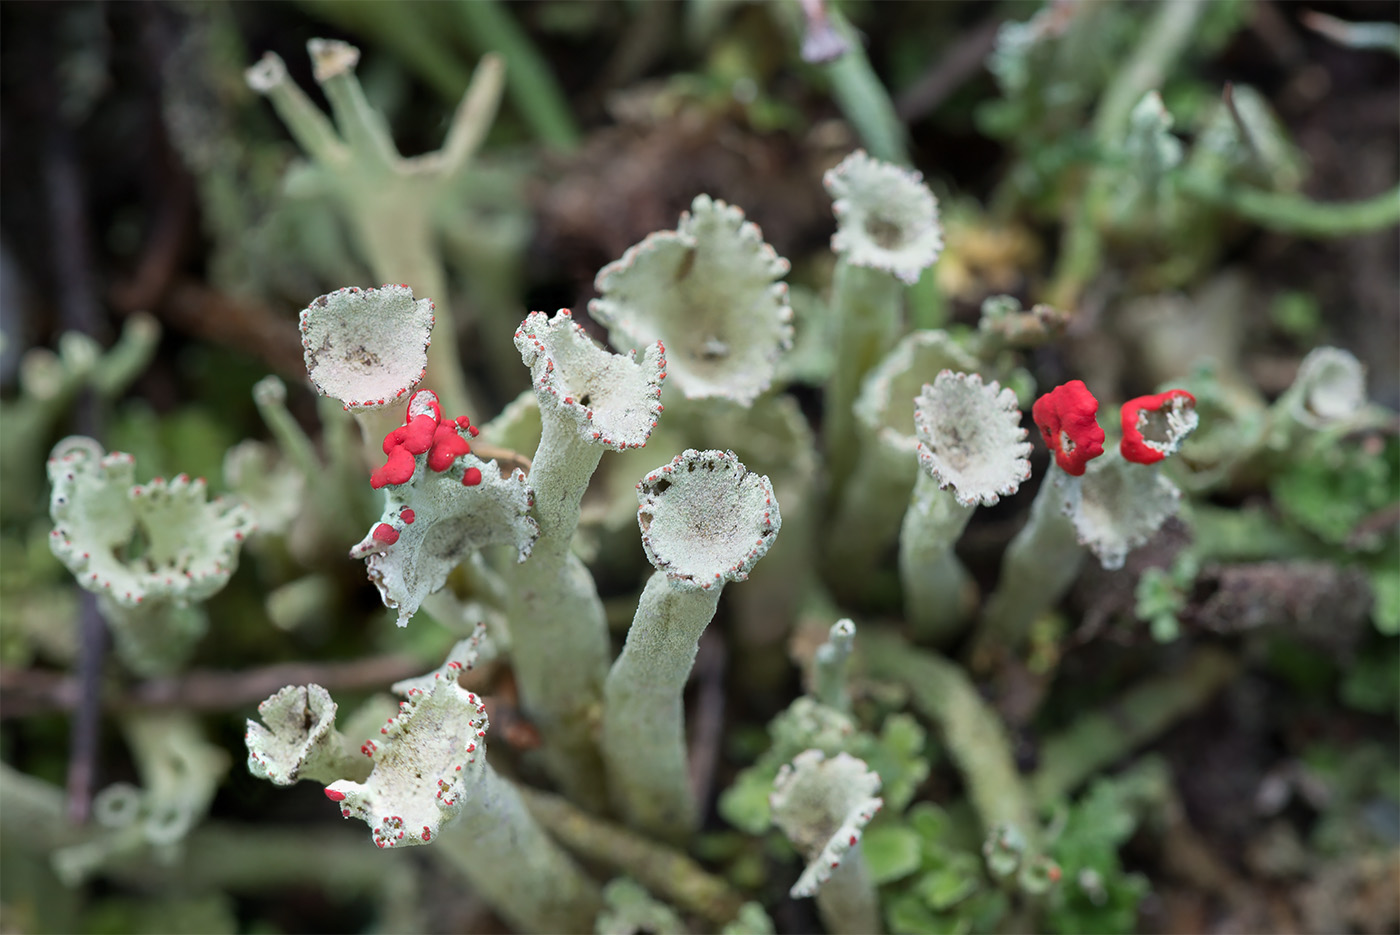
(710, 290)
(823, 804)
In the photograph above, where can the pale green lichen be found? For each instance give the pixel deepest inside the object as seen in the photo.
(149, 551)
(589, 401)
(830, 663)
(870, 510)
(887, 219)
(1117, 506)
(705, 521)
(970, 440)
(823, 805)
(300, 740)
(1329, 389)
(180, 772)
(435, 521)
(367, 348)
(271, 487)
(425, 762)
(610, 399)
(396, 207)
(429, 783)
(710, 291)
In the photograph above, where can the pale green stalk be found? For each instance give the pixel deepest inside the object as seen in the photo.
(935, 581)
(514, 865)
(663, 870)
(559, 632)
(973, 733)
(848, 901)
(1040, 564)
(866, 305)
(643, 719)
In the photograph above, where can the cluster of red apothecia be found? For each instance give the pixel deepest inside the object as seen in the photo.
(1067, 417)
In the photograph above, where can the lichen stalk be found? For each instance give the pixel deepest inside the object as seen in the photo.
(823, 805)
(866, 306)
(935, 583)
(830, 664)
(1039, 565)
(643, 721)
(706, 520)
(970, 441)
(515, 866)
(973, 733)
(848, 901)
(589, 400)
(870, 512)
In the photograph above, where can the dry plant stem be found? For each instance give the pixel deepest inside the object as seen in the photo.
(29, 692)
(865, 305)
(513, 864)
(848, 900)
(1040, 564)
(666, 872)
(1098, 740)
(975, 736)
(933, 578)
(643, 718)
(559, 632)
(1164, 39)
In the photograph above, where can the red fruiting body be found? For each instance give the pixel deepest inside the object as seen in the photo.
(426, 431)
(1134, 415)
(471, 477)
(1066, 417)
(335, 796)
(447, 445)
(417, 435)
(397, 470)
(386, 534)
(407, 515)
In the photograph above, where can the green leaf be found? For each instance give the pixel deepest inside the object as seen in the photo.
(892, 852)
(906, 915)
(1385, 584)
(946, 886)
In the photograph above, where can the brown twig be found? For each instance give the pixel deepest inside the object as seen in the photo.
(243, 324)
(25, 693)
(963, 60)
(707, 720)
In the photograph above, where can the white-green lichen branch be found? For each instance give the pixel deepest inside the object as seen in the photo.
(872, 508)
(442, 504)
(590, 401)
(298, 740)
(887, 233)
(971, 450)
(395, 207)
(705, 521)
(429, 783)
